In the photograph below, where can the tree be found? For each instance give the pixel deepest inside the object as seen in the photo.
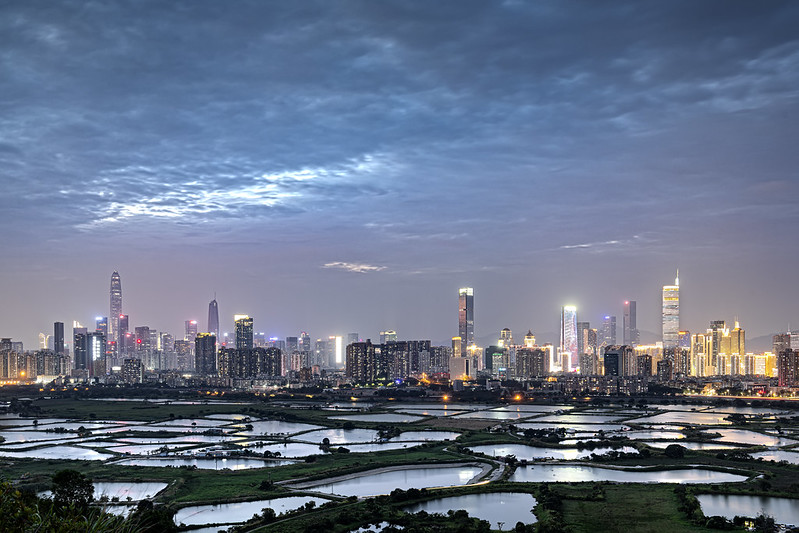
(675, 451)
(70, 486)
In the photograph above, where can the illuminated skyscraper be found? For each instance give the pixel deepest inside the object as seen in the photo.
(116, 308)
(244, 333)
(568, 338)
(630, 335)
(191, 331)
(608, 330)
(466, 317)
(213, 318)
(671, 313)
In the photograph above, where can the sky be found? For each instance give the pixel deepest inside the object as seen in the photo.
(345, 166)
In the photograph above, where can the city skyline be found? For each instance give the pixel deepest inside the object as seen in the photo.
(346, 167)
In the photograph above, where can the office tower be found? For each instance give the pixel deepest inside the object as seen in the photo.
(568, 338)
(205, 354)
(58, 336)
(116, 309)
(457, 345)
(352, 337)
(466, 317)
(781, 342)
(95, 353)
(582, 336)
(213, 318)
(335, 345)
(608, 330)
(183, 356)
(166, 342)
(244, 334)
(292, 344)
(670, 313)
(630, 335)
(388, 336)
(191, 331)
(122, 335)
(305, 343)
(101, 324)
(80, 351)
(620, 361)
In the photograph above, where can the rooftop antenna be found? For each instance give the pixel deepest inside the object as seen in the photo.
(677, 279)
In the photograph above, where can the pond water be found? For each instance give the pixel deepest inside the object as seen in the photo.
(141, 449)
(59, 452)
(778, 455)
(379, 447)
(384, 482)
(340, 436)
(497, 415)
(230, 513)
(188, 423)
(642, 435)
(690, 445)
(578, 418)
(522, 451)
(569, 473)
(384, 417)
(204, 463)
(442, 405)
(571, 428)
(125, 490)
(751, 437)
(429, 436)
(276, 427)
(190, 439)
(431, 412)
(685, 417)
(291, 449)
(34, 436)
(526, 408)
(495, 507)
(784, 510)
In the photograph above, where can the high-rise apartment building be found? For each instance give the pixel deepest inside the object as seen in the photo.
(568, 338)
(781, 342)
(115, 309)
(466, 317)
(670, 314)
(630, 335)
(213, 318)
(788, 368)
(244, 332)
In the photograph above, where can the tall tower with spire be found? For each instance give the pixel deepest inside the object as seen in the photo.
(213, 317)
(671, 313)
(116, 307)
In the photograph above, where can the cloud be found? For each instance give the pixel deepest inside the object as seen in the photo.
(360, 268)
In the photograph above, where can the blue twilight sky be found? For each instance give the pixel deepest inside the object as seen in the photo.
(345, 166)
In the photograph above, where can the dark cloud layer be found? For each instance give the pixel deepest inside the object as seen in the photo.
(355, 161)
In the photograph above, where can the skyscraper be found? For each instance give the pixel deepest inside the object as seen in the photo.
(116, 308)
(568, 338)
(630, 335)
(466, 317)
(671, 313)
(205, 354)
(213, 318)
(608, 330)
(58, 336)
(244, 332)
(191, 331)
